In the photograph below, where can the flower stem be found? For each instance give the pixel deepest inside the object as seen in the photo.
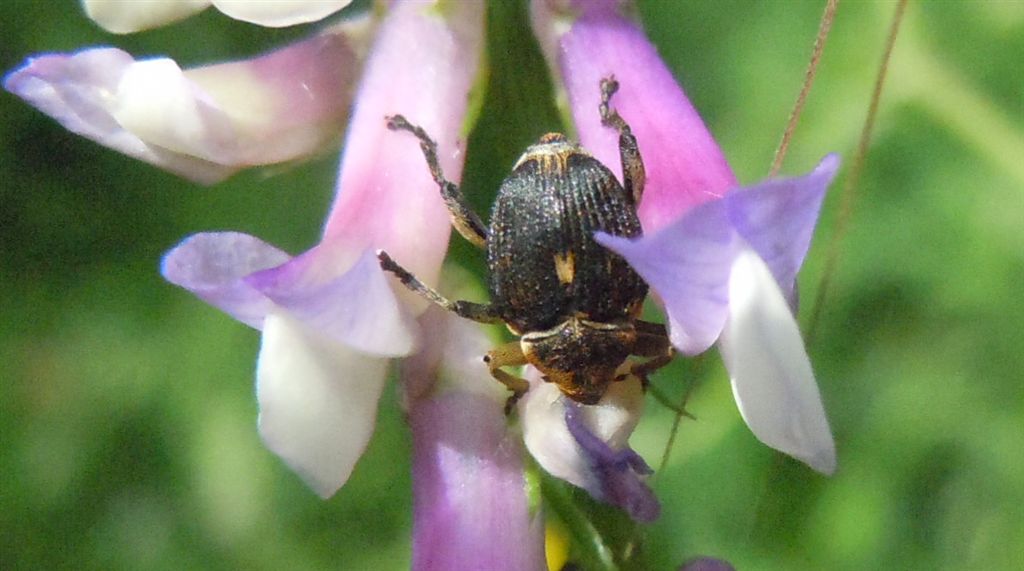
(812, 69)
(853, 177)
(696, 370)
(594, 553)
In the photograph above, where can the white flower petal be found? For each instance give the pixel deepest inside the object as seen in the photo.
(279, 13)
(79, 90)
(203, 123)
(126, 16)
(318, 402)
(771, 375)
(157, 103)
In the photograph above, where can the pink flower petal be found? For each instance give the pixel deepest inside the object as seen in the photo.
(423, 65)
(685, 167)
(471, 509)
(275, 108)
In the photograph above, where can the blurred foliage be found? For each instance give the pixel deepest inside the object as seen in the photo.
(126, 405)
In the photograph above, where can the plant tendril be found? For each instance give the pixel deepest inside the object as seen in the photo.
(848, 192)
(812, 70)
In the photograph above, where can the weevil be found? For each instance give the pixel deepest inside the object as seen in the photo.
(574, 304)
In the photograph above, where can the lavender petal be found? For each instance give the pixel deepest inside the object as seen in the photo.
(777, 218)
(687, 263)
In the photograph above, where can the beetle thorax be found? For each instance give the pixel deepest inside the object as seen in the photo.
(579, 355)
(552, 152)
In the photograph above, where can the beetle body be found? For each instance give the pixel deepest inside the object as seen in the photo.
(572, 301)
(574, 304)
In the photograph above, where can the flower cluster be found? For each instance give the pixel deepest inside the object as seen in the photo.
(721, 258)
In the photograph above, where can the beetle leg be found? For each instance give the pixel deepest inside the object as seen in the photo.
(484, 313)
(508, 355)
(463, 218)
(643, 370)
(633, 173)
(649, 329)
(651, 341)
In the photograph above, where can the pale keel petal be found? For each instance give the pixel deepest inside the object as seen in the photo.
(156, 102)
(771, 374)
(318, 402)
(279, 13)
(80, 91)
(549, 440)
(124, 17)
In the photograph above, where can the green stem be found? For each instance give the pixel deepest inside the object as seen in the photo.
(593, 550)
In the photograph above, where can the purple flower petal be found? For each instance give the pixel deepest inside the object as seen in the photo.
(471, 508)
(318, 401)
(357, 308)
(687, 263)
(777, 218)
(771, 374)
(685, 167)
(212, 266)
(588, 446)
(76, 91)
(248, 279)
(617, 472)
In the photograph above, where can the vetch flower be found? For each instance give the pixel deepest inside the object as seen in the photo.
(745, 284)
(722, 259)
(126, 16)
(203, 123)
(471, 509)
(329, 318)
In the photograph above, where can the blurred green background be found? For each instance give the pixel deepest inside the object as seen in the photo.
(127, 413)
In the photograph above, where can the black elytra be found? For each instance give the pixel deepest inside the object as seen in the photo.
(574, 303)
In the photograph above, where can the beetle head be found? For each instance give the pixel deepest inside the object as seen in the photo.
(580, 356)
